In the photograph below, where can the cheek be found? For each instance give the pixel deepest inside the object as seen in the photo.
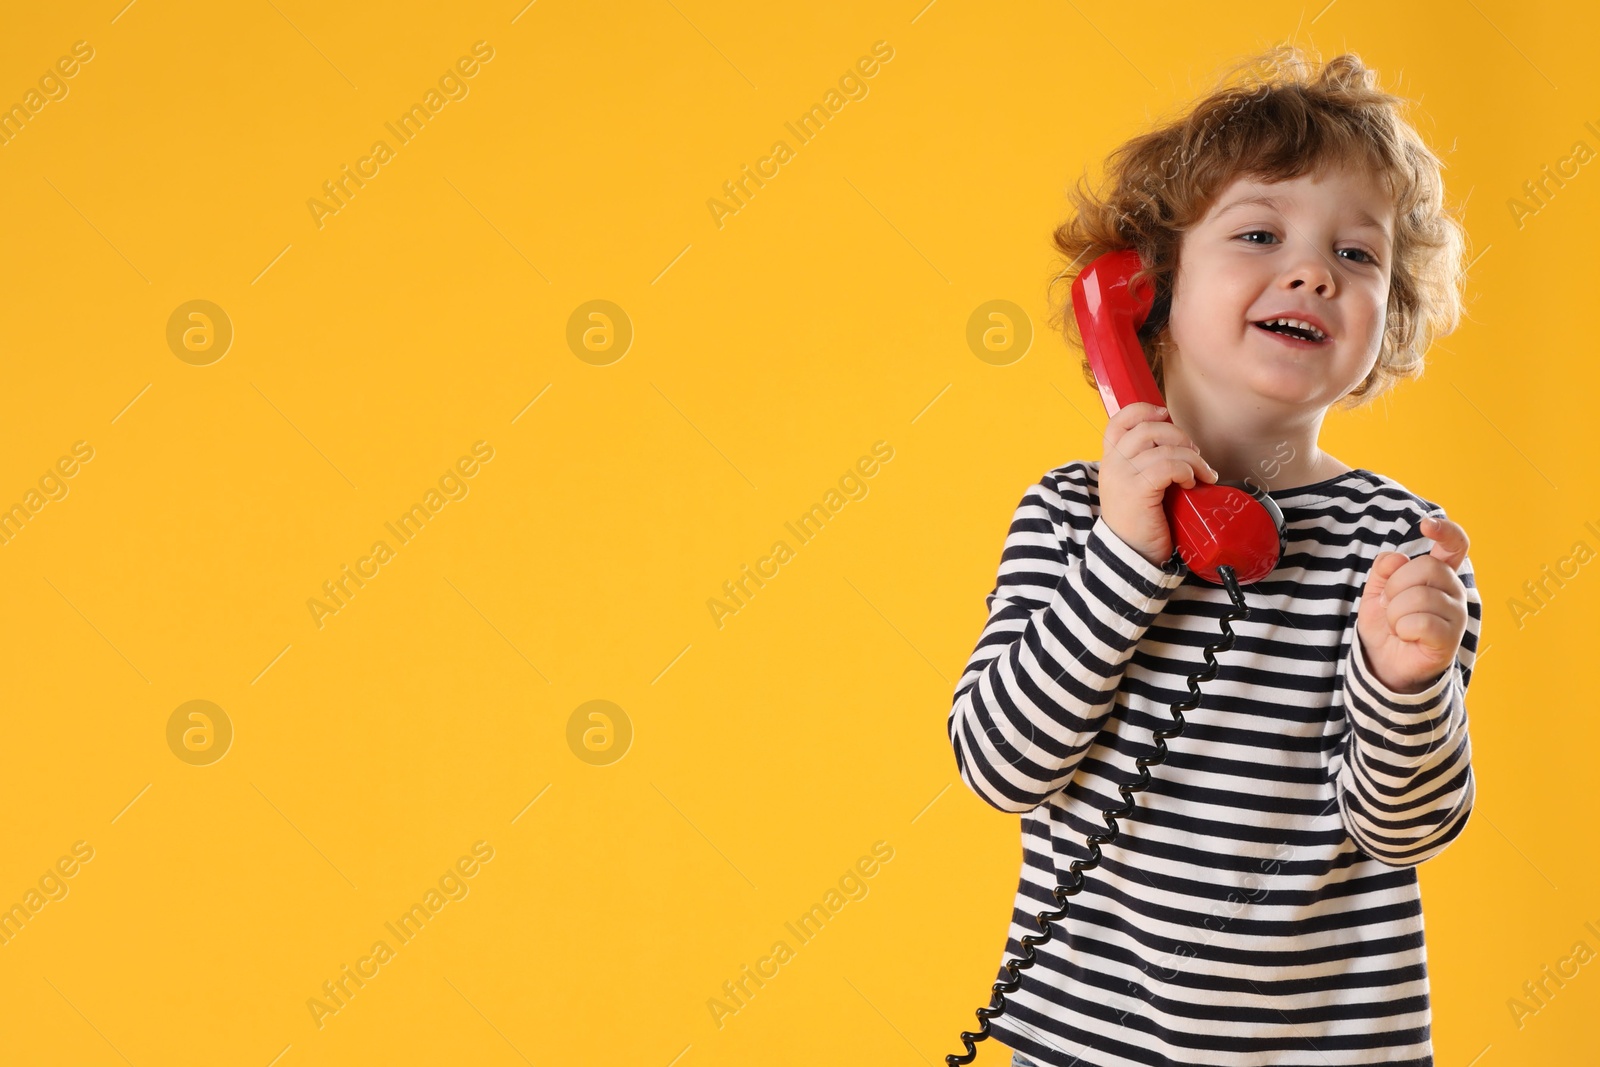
(1204, 316)
(1360, 357)
(1375, 333)
(1370, 324)
(1190, 322)
(1180, 321)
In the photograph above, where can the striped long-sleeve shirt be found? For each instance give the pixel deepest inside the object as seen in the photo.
(1260, 906)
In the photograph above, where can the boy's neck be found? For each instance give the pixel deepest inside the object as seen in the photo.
(1261, 446)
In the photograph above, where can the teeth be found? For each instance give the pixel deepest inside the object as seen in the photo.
(1299, 325)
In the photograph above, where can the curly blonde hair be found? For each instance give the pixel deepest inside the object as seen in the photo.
(1279, 121)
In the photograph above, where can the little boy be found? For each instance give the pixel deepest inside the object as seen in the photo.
(1260, 906)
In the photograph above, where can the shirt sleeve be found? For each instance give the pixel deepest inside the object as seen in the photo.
(1065, 614)
(1404, 782)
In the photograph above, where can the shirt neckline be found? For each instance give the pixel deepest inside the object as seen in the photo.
(1312, 487)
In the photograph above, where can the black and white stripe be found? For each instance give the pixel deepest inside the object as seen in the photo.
(1261, 904)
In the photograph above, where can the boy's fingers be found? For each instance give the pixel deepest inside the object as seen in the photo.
(1450, 540)
(1382, 570)
(1424, 571)
(1130, 415)
(1393, 574)
(1422, 599)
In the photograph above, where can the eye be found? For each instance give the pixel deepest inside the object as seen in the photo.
(1253, 233)
(1369, 257)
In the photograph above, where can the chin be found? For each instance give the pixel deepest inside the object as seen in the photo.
(1286, 390)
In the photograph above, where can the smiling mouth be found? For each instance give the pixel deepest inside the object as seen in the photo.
(1304, 334)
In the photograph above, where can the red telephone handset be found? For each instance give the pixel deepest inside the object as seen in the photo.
(1223, 524)
(1228, 533)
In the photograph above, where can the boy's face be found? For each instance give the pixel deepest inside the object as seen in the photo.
(1320, 254)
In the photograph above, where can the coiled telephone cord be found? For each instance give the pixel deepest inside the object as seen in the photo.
(997, 1003)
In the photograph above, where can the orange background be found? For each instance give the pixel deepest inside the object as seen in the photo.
(762, 758)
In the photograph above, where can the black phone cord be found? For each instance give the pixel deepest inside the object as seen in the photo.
(997, 1003)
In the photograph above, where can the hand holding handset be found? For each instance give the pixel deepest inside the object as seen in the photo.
(1227, 533)
(1227, 523)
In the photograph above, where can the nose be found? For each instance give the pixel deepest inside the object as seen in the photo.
(1312, 270)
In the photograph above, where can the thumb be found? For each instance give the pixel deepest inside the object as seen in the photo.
(1383, 568)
